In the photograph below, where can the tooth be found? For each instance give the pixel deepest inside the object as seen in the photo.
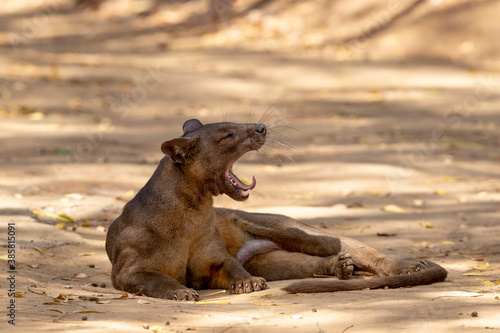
(245, 193)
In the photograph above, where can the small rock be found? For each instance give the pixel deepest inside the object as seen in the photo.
(84, 318)
(474, 314)
(102, 285)
(167, 323)
(314, 310)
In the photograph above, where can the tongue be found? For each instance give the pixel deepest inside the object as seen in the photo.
(239, 184)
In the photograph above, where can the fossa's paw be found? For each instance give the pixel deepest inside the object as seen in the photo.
(183, 295)
(406, 266)
(248, 285)
(342, 265)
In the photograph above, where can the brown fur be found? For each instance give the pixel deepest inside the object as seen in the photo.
(170, 239)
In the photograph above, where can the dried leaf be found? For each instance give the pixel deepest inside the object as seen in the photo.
(33, 265)
(489, 283)
(86, 254)
(4, 257)
(143, 301)
(355, 205)
(418, 203)
(59, 296)
(60, 225)
(440, 192)
(447, 243)
(213, 302)
(426, 224)
(37, 115)
(475, 274)
(43, 251)
(482, 267)
(57, 217)
(375, 96)
(86, 224)
(59, 310)
(393, 209)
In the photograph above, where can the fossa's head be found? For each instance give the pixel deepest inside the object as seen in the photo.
(206, 153)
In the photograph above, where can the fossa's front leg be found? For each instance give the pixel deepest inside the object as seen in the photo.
(232, 276)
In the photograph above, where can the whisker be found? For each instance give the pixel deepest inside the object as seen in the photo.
(281, 120)
(266, 160)
(222, 111)
(286, 145)
(281, 127)
(271, 109)
(252, 115)
(280, 152)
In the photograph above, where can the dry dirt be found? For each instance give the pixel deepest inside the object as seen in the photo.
(360, 146)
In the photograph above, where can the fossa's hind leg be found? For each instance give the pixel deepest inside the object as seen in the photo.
(294, 236)
(284, 265)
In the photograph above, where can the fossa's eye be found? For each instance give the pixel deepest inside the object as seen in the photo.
(229, 136)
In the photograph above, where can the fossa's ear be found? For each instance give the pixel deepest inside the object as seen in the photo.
(181, 150)
(191, 125)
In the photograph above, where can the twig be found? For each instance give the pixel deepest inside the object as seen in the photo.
(347, 328)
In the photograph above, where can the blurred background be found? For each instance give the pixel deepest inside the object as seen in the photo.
(383, 122)
(106, 81)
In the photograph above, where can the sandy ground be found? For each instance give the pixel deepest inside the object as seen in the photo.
(362, 149)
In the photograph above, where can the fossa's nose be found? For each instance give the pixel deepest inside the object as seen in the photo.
(260, 128)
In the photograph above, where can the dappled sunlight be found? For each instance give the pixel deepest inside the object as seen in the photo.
(382, 122)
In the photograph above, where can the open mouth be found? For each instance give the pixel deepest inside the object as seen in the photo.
(242, 188)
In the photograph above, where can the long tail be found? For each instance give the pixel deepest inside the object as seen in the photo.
(434, 273)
